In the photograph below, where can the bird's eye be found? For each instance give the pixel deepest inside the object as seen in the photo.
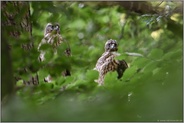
(49, 28)
(56, 28)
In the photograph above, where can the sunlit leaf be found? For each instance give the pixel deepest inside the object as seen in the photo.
(134, 54)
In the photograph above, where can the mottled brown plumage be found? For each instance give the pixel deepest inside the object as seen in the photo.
(53, 37)
(107, 62)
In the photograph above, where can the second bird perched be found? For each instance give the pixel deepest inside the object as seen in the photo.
(107, 62)
(53, 37)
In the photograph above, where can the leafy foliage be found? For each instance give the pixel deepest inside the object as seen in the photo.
(150, 90)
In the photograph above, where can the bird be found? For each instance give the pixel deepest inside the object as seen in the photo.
(107, 62)
(53, 37)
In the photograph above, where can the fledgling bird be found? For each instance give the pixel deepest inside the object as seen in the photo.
(53, 37)
(107, 62)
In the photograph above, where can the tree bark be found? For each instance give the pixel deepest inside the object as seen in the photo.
(15, 21)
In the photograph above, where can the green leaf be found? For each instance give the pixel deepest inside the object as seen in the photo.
(129, 72)
(19, 83)
(91, 75)
(110, 77)
(151, 66)
(140, 62)
(156, 54)
(45, 46)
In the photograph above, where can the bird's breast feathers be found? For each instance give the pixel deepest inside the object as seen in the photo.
(106, 56)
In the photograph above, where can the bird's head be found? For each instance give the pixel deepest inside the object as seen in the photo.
(52, 28)
(56, 28)
(111, 45)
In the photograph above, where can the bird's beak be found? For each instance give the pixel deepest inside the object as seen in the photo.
(112, 46)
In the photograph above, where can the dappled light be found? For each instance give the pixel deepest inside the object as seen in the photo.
(62, 87)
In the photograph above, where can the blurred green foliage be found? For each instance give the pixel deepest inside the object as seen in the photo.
(150, 90)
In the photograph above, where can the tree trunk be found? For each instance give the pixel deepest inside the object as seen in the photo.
(15, 21)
